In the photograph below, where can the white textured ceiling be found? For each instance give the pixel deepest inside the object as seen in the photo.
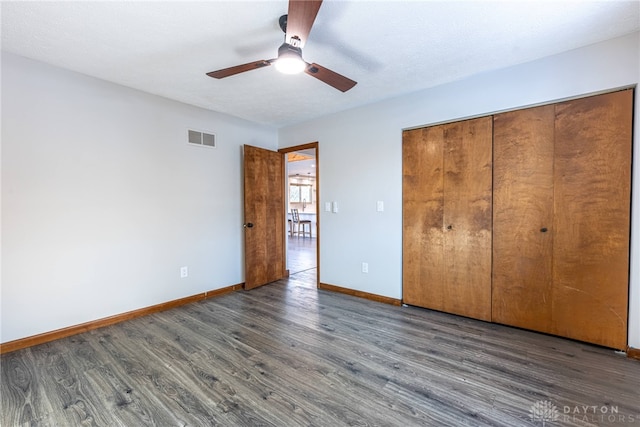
(388, 47)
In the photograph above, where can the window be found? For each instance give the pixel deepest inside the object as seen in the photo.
(299, 193)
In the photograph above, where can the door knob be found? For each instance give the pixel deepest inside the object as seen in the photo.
(248, 225)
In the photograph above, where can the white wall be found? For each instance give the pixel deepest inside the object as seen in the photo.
(103, 200)
(360, 157)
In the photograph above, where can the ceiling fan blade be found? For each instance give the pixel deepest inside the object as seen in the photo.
(226, 72)
(300, 19)
(331, 78)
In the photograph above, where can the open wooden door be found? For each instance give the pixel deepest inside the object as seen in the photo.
(264, 260)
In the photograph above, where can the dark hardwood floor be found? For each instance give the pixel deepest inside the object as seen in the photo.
(287, 354)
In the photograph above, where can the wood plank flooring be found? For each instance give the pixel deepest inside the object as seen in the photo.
(287, 354)
(301, 254)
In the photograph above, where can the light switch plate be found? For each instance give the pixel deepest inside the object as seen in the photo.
(327, 207)
(335, 207)
(380, 206)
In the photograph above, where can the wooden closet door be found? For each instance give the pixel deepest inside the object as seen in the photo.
(447, 217)
(467, 218)
(523, 152)
(422, 213)
(592, 218)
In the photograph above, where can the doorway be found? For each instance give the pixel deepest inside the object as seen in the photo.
(301, 207)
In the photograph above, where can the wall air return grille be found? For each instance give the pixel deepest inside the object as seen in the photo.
(202, 138)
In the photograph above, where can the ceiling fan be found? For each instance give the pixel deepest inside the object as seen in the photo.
(296, 25)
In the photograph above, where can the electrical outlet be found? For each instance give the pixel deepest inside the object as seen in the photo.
(184, 272)
(365, 267)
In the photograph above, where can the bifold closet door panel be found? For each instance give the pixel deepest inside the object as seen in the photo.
(447, 217)
(523, 217)
(592, 218)
(467, 217)
(422, 213)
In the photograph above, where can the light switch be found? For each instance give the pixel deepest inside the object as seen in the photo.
(335, 207)
(380, 206)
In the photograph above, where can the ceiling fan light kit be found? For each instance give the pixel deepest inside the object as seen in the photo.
(296, 25)
(290, 60)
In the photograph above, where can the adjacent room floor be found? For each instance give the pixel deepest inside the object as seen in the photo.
(287, 354)
(301, 254)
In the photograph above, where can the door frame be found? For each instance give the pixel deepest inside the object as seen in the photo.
(284, 152)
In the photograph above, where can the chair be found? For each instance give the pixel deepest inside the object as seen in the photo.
(297, 223)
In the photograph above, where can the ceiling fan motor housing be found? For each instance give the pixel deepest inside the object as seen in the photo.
(282, 22)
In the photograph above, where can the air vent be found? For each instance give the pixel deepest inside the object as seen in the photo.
(201, 138)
